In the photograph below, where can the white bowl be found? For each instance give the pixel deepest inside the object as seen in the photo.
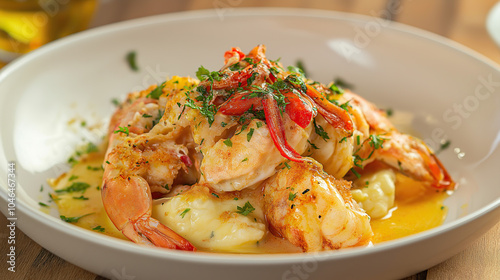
(493, 23)
(453, 92)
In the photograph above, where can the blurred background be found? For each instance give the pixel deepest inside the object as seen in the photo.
(28, 24)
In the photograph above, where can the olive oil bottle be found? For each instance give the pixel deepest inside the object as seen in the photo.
(28, 24)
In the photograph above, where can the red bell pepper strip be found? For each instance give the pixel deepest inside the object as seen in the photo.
(333, 114)
(277, 129)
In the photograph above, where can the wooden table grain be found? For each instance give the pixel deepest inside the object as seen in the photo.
(461, 20)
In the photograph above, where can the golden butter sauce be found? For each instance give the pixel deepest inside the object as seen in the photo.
(417, 208)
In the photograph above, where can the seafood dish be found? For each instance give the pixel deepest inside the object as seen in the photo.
(254, 158)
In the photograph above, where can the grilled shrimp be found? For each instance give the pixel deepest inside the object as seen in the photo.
(375, 138)
(313, 210)
(138, 162)
(249, 156)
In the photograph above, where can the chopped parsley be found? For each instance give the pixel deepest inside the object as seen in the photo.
(132, 61)
(206, 109)
(320, 131)
(123, 129)
(312, 145)
(287, 165)
(355, 173)
(389, 112)
(96, 168)
(205, 74)
(336, 89)
(301, 67)
(91, 147)
(98, 228)
(81, 197)
(115, 102)
(246, 209)
(157, 92)
(291, 196)
(228, 142)
(42, 204)
(443, 146)
(252, 78)
(73, 219)
(158, 118)
(72, 177)
(184, 212)
(249, 134)
(75, 187)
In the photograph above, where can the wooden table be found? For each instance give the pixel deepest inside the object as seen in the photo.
(460, 20)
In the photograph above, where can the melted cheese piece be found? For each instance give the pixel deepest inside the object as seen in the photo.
(211, 222)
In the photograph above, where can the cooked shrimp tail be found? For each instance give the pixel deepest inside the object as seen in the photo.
(128, 203)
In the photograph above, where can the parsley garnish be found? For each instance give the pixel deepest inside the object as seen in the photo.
(312, 145)
(158, 118)
(81, 197)
(249, 134)
(123, 129)
(228, 142)
(42, 204)
(157, 92)
(207, 110)
(75, 187)
(115, 102)
(252, 78)
(301, 67)
(389, 112)
(98, 228)
(184, 212)
(131, 61)
(73, 219)
(336, 89)
(443, 146)
(246, 209)
(355, 173)
(91, 147)
(205, 74)
(291, 196)
(320, 131)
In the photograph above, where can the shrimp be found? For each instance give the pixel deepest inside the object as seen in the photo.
(375, 138)
(249, 156)
(138, 162)
(251, 89)
(313, 210)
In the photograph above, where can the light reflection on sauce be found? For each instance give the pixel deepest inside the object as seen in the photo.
(416, 209)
